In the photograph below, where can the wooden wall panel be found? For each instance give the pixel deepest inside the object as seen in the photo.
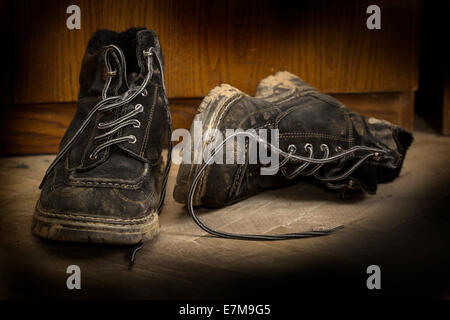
(33, 129)
(395, 107)
(238, 42)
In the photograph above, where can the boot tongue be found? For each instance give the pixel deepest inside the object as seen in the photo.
(146, 39)
(92, 78)
(93, 74)
(133, 78)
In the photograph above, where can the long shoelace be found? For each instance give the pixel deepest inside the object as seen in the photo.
(372, 152)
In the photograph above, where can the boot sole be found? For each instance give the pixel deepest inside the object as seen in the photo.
(210, 117)
(71, 227)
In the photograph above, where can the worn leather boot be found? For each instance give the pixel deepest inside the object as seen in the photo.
(107, 183)
(287, 90)
(319, 140)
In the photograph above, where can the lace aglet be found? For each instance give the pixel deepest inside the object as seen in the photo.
(138, 247)
(41, 185)
(336, 229)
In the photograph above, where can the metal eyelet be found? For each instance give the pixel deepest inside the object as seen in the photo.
(351, 184)
(138, 124)
(338, 149)
(112, 73)
(324, 147)
(144, 93)
(133, 140)
(292, 148)
(147, 53)
(139, 107)
(308, 146)
(376, 156)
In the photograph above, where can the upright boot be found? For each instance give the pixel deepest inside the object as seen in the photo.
(320, 140)
(107, 183)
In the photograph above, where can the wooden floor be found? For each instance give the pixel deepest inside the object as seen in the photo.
(404, 228)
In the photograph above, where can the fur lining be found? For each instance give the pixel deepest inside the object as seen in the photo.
(126, 41)
(104, 37)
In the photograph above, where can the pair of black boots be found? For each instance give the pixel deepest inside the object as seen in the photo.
(108, 181)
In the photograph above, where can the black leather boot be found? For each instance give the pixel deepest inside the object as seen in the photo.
(342, 129)
(319, 140)
(108, 181)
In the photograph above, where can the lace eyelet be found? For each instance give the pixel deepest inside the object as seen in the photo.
(139, 107)
(376, 156)
(292, 148)
(338, 149)
(144, 93)
(351, 184)
(92, 156)
(147, 53)
(308, 146)
(133, 140)
(112, 73)
(137, 125)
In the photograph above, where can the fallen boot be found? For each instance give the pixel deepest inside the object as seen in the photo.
(319, 139)
(107, 183)
(287, 90)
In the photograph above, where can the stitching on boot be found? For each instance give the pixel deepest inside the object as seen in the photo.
(147, 130)
(78, 215)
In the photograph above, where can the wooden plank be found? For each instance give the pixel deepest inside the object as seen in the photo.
(396, 107)
(33, 129)
(38, 128)
(237, 42)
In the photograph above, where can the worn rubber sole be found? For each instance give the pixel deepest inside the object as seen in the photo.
(78, 228)
(209, 113)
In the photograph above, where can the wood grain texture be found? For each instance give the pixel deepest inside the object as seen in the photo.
(396, 107)
(38, 128)
(206, 43)
(33, 129)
